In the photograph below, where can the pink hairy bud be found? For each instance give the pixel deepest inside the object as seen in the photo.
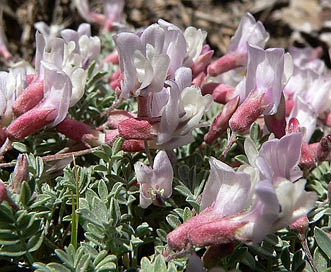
(222, 231)
(205, 229)
(221, 122)
(226, 63)
(77, 131)
(30, 97)
(300, 225)
(198, 80)
(128, 145)
(135, 129)
(178, 239)
(5, 197)
(31, 122)
(221, 93)
(307, 159)
(200, 65)
(115, 117)
(247, 113)
(133, 145)
(29, 78)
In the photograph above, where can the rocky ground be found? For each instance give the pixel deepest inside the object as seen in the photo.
(298, 22)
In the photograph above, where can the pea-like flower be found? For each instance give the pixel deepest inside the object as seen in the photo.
(262, 88)
(249, 32)
(155, 183)
(251, 202)
(58, 82)
(148, 58)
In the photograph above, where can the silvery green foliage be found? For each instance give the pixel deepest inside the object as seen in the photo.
(99, 195)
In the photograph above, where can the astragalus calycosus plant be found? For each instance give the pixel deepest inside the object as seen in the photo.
(249, 203)
(124, 163)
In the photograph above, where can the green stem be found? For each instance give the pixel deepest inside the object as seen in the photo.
(29, 258)
(75, 206)
(73, 222)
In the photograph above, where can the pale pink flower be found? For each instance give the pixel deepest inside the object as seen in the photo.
(155, 183)
(251, 202)
(249, 32)
(261, 91)
(148, 58)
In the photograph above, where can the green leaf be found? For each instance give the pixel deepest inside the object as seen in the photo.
(162, 234)
(83, 263)
(146, 265)
(117, 145)
(35, 242)
(173, 221)
(115, 211)
(102, 190)
(52, 267)
(249, 261)
(182, 189)
(101, 154)
(7, 235)
(255, 132)
(241, 158)
(97, 231)
(25, 194)
(108, 150)
(13, 250)
(297, 261)
(323, 241)
(22, 148)
(320, 259)
(159, 264)
(286, 258)
(187, 214)
(172, 267)
(99, 208)
(65, 258)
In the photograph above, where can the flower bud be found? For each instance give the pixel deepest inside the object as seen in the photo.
(21, 173)
(135, 129)
(30, 122)
(30, 97)
(221, 93)
(226, 63)
(246, 113)
(221, 122)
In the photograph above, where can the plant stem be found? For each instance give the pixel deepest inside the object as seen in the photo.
(75, 206)
(308, 254)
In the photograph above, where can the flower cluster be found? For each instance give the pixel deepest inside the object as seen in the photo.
(249, 203)
(169, 75)
(32, 100)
